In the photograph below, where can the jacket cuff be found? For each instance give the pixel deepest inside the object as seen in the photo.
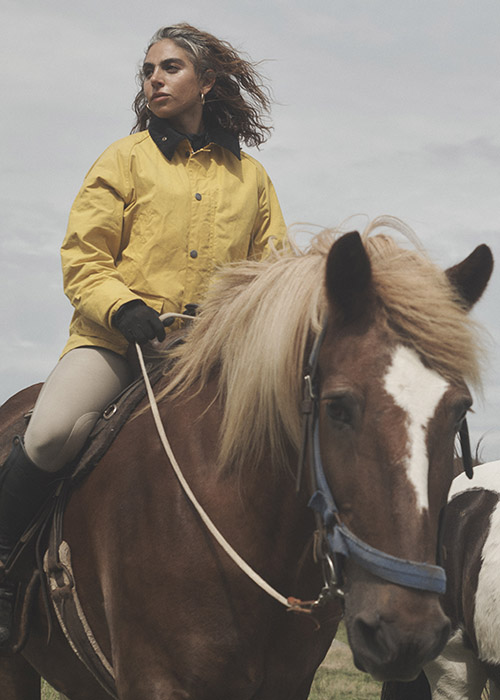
(115, 318)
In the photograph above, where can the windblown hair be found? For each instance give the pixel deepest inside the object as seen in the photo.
(260, 318)
(238, 101)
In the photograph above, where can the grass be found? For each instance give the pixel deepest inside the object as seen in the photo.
(48, 693)
(336, 679)
(343, 685)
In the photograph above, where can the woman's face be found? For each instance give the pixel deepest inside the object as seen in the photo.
(172, 88)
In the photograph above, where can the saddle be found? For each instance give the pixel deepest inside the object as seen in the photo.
(41, 559)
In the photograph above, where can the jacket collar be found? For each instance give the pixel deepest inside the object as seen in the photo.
(167, 139)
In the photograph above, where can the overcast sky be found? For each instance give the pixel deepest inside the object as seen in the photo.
(382, 107)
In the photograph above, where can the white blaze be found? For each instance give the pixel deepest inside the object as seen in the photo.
(418, 391)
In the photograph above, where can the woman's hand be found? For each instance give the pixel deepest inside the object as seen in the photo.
(138, 322)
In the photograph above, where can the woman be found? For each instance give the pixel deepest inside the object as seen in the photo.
(157, 213)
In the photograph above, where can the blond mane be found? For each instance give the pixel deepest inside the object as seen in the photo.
(259, 317)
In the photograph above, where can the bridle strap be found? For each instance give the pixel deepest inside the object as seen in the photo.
(404, 572)
(309, 404)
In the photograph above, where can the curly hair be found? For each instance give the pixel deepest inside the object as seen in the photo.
(238, 102)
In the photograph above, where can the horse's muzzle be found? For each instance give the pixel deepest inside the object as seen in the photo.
(392, 647)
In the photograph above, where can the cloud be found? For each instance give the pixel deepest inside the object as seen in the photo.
(483, 150)
(382, 108)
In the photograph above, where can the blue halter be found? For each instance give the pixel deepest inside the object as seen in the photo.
(337, 538)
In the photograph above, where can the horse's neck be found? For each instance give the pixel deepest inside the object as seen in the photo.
(256, 503)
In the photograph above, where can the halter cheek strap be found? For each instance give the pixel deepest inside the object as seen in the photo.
(338, 540)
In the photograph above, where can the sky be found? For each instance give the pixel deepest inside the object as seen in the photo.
(381, 107)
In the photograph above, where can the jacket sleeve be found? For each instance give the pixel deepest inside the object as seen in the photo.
(93, 241)
(270, 229)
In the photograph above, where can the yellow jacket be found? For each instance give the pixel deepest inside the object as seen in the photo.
(144, 227)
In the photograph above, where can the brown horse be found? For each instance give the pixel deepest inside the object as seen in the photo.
(471, 545)
(385, 392)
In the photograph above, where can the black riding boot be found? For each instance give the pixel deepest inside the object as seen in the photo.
(23, 489)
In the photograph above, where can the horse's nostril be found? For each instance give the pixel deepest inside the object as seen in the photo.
(368, 633)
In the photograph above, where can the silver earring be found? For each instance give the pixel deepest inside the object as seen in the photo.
(202, 95)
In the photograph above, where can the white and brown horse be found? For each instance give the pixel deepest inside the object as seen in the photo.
(380, 398)
(471, 553)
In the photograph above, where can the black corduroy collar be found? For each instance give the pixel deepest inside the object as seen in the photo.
(167, 139)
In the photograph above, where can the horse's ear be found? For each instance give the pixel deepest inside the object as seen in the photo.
(471, 276)
(348, 277)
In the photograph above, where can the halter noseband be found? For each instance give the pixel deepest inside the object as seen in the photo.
(336, 538)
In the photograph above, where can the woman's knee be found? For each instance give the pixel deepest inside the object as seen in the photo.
(52, 447)
(73, 397)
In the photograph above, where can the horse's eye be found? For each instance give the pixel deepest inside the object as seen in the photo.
(339, 412)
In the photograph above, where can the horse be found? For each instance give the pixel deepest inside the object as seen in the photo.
(470, 537)
(312, 409)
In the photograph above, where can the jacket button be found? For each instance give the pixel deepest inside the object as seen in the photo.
(197, 196)
(194, 253)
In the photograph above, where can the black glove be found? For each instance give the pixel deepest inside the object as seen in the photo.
(138, 322)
